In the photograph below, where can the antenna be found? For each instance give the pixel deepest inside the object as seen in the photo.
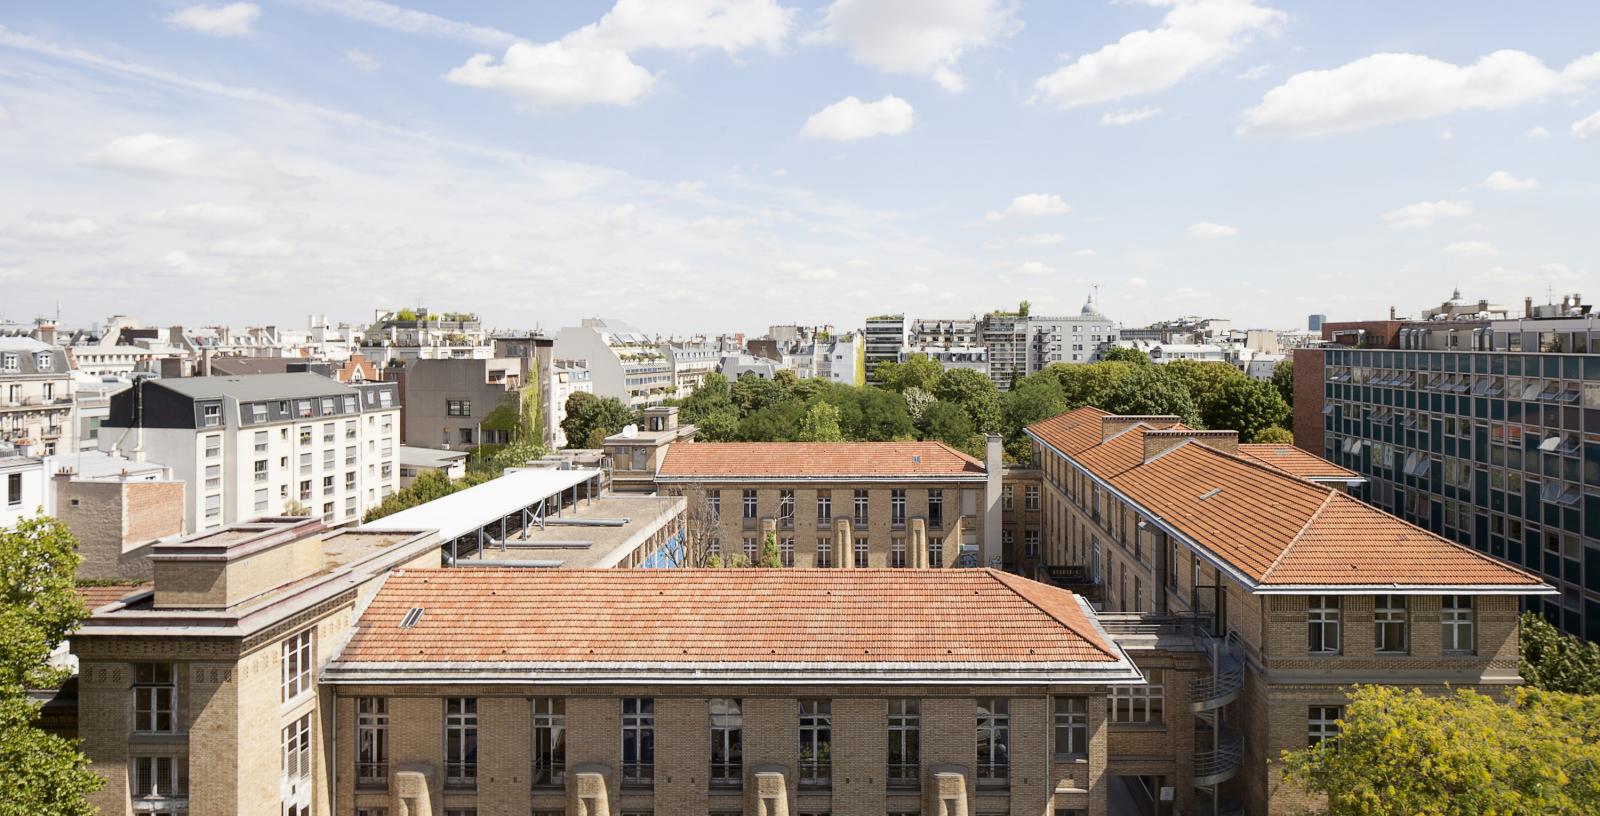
(1096, 288)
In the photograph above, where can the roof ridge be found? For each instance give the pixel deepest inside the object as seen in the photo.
(1327, 500)
(1005, 578)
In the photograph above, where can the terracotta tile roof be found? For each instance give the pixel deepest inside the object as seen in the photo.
(719, 616)
(1269, 523)
(1295, 461)
(95, 597)
(812, 459)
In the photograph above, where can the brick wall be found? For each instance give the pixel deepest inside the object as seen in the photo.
(1308, 395)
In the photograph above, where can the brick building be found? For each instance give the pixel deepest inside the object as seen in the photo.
(1252, 597)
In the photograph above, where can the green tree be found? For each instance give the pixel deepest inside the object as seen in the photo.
(1122, 354)
(821, 424)
(1283, 379)
(1554, 661)
(721, 425)
(1032, 400)
(918, 371)
(948, 423)
(1276, 436)
(871, 414)
(1149, 390)
(1247, 406)
(39, 607)
(1085, 384)
(1404, 753)
(1204, 380)
(752, 393)
(771, 556)
(774, 423)
(1023, 308)
(590, 419)
(713, 394)
(976, 395)
(428, 485)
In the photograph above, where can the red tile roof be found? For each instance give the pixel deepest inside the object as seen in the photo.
(1295, 461)
(1272, 526)
(816, 459)
(1072, 432)
(95, 597)
(721, 616)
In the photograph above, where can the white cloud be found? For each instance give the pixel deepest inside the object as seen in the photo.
(918, 37)
(1254, 72)
(232, 20)
(1587, 127)
(1386, 88)
(395, 18)
(1505, 182)
(1032, 268)
(850, 119)
(1084, 253)
(154, 154)
(807, 272)
(1042, 239)
(1208, 229)
(1471, 249)
(362, 60)
(1538, 133)
(1128, 117)
(176, 259)
(729, 25)
(1424, 213)
(269, 247)
(1194, 35)
(54, 227)
(205, 214)
(5, 116)
(1137, 283)
(555, 75)
(1029, 206)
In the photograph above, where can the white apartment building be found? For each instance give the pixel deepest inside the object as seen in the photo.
(691, 361)
(837, 356)
(408, 334)
(567, 377)
(22, 483)
(126, 347)
(623, 362)
(263, 445)
(35, 397)
(1081, 339)
(949, 357)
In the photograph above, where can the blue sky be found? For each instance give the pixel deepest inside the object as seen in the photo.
(719, 165)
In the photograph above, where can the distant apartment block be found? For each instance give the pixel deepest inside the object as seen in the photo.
(567, 377)
(263, 445)
(36, 397)
(884, 337)
(623, 362)
(22, 487)
(459, 404)
(410, 334)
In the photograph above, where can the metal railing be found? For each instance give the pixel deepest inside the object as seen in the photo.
(1218, 765)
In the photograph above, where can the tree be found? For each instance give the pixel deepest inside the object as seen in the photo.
(871, 414)
(821, 424)
(1149, 390)
(1203, 380)
(917, 401)
(1404, 752)
(39, 607)
(918, 371)
(771, 556)
(1554, 661)
(590, 419)
(721, 425)
(752, 393)
(946, 422)
(975, 393)
(1032, 400)
(429, 485)
(1283, 379)
(1085, 384)
(1122, 354)
(1274, 436)
(1023, 308)
(1247, 406)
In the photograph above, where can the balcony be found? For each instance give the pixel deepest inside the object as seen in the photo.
(1220, 761)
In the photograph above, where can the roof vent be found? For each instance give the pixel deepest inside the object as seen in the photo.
(1209, 493)
(411, 618)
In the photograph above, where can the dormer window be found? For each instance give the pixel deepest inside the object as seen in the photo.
(43, 361)
(9, 363)
(211, 415)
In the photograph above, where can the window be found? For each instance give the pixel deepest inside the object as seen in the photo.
(1455, 615)
(213, 507)
(372, 741)
(714, 504)
(786, 509)
(749, 504)
(350, 403)
(261, 500)
(327, 485)
(549, 741)
(1005, 498)
(328, 458)
(816, 743)
(458, 408)
(897, 552)
(213, 477)
(824, 552)
(1030, 498)
(862, 505)
(994, 736)
(905, 743)
(786, 551)
(1136, 704)
(297, 661)
(210, 415)
(296, 788)
(461, 741)
(727, 743)
(638, 740)
(213, 446)
(1322, 624)
(750, 549)
(935, 551)
(160, 777)
(1072, 726)
(261, 441)
(1322, 723)
(861, 550)
(897, 508)
(935, 508)
(328, 434)
(350, 428)
(10, 363)
(824, 507)
(155, 692)
(1389, 624)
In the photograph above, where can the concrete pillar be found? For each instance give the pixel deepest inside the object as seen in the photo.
(917, 543)
(768, 791)
(587, 791)
(844, 544)
(946, 791)
(408, 790)
(989, 554)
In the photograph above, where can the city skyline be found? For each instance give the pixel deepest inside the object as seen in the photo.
(683, 172)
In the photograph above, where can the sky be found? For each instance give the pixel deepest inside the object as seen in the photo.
(705, 166)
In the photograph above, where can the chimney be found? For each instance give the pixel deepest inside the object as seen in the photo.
(994, 484)
(46, 331)
(1159, 442)
(1527, 307)
(1392, 315)
(175, 335)
(1112, 425)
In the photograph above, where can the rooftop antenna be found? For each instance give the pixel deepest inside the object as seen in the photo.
(1096, 288)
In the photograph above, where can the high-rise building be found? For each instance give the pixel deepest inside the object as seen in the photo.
(1314, 322)
(884, 336)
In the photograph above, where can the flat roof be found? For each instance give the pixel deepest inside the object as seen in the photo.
(429, 457)
(462, 512)
(256, 387)
(600, 533)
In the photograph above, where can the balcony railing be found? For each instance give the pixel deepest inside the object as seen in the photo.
(638, 774)
(905, 776)
(727, 775)
(1218, 764)
(815, 773)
